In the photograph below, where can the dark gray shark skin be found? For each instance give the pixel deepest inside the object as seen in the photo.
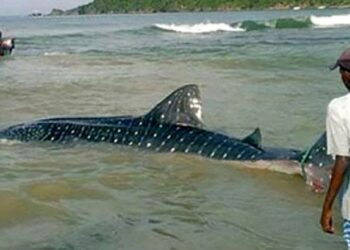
(174, 125)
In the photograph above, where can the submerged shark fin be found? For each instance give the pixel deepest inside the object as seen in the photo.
(183, 106)
(254, 138)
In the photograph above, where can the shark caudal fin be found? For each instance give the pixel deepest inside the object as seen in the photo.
(317, 165)
(183, 106)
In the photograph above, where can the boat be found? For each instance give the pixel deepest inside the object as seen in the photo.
(36, 14)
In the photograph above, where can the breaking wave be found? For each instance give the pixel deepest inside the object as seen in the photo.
(250, 25)
(329, 21)
(198, 28)
(283, 23)
(295, 23)
(55, 53)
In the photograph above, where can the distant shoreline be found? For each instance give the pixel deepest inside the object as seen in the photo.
(80, 10)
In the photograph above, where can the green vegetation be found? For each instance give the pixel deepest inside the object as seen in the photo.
(127, 6)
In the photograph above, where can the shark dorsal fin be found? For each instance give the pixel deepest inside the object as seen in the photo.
(183, 106)
(254, 138)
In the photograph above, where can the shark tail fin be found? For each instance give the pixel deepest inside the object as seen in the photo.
(316, 165)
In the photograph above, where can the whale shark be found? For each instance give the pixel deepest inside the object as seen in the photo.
(175, 125)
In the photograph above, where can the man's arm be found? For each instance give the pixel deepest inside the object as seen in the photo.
(338, 172)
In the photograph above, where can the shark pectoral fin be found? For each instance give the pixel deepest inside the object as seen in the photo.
(254, 139)
(183, 106)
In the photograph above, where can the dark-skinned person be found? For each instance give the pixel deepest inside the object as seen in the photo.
(338, 145)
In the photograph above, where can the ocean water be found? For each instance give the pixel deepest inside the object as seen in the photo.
(266, 69)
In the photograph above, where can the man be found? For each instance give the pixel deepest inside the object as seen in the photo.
(1, 50)
(6, 46)
(338, 145)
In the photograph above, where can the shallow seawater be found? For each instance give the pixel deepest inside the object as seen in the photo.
(94, 197)
(106, 197)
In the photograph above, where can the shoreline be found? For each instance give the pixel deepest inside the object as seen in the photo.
(75, 12)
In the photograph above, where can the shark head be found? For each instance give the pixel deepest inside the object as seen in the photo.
(317, 165)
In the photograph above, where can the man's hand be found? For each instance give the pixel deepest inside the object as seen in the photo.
(338, 171)
(327, 221)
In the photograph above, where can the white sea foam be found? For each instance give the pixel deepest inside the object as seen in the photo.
(8, 142)
(55, 53)
(198, 28)
(328, 21)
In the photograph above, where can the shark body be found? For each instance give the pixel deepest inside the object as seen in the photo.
(173, 125)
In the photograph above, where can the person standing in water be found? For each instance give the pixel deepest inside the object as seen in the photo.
(1, 50)
(338, 145)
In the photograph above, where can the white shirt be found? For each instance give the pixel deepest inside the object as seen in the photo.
(338, 137)
(338, 126)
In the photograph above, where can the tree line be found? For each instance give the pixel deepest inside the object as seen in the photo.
(126, 6)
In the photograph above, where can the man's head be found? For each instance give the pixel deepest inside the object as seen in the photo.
(345, 76)
(343, 63)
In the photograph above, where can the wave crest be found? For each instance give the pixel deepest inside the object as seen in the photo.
(198, 28)
(282, 23)
(55, 53)
(329, 21)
